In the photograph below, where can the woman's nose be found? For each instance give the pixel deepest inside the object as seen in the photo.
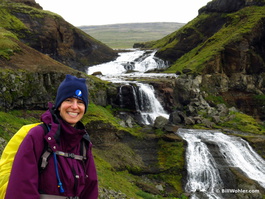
(75, 104)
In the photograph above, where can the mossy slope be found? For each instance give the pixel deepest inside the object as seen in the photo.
(202, 44)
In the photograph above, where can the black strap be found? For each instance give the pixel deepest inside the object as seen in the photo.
(47, 150)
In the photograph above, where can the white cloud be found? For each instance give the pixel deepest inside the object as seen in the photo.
(98, 12)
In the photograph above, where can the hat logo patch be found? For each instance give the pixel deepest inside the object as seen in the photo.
(78, 93)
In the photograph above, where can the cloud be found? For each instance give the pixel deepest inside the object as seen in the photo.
(99, 12)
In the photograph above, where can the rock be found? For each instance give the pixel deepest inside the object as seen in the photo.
(228, 5)
(178, 73)
(216, 119)
(223, 6)
(207, 123)
(97, 73)
(185, 71)
(160, 122)
(177, 117)
(171, 128)
(222, 110)
(171, 137)
(127, 120)
(189, 121)
(111, 194)
(160, 187)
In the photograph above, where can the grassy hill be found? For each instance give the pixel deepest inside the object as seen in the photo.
(125, 35)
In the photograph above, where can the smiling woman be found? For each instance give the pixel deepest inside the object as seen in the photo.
(70, 171)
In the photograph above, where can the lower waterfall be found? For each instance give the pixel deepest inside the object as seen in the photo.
(203, 170)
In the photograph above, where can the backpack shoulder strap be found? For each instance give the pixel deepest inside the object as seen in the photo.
(47, 150)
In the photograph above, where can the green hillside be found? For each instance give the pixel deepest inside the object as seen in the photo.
(125, 35)
(200, 44)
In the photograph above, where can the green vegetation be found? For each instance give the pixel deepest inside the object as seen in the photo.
(260, 99)
(12, 121)
(215, 99)
(120, 36)
(244, 123)
(11, 28)
(7, 44)
(171, 157)
(242, 23)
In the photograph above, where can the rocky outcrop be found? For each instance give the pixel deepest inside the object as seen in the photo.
(23, 90)
(50, 34)
(31, 3)
(192, 98)
(228, 5)
(33, 90)
(190, 38)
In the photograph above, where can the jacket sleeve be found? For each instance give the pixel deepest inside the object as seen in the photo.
(23, 181)
(91, 188)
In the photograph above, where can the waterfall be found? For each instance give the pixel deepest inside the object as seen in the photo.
(149, 106)
(136, 62)
(145, 102)
(203, 173)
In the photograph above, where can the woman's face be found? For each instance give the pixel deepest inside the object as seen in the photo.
(72, 110)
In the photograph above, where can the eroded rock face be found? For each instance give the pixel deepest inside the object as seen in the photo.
(50, 34)
(228, 5)
(33, 90)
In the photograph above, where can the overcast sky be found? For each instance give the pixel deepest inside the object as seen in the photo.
(101, 12)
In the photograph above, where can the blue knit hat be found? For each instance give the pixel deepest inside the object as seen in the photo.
(72, 86)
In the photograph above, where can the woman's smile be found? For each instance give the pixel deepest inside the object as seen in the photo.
(72, 110)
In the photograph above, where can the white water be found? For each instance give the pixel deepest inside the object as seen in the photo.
(203, 175)
(145, 63)
(150, 107)
(140, 62)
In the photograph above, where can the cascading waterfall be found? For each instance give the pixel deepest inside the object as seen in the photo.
(140, 62)
(149, 106)
(203, 173)
(145, 102)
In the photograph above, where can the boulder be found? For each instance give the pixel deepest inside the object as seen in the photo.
(160, 122)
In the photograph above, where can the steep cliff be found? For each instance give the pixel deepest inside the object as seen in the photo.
(50, 34)
(224, 44)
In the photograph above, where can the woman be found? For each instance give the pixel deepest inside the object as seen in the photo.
(66, 174)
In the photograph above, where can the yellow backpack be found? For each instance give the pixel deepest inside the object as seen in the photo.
(9, 153)
(8, 156)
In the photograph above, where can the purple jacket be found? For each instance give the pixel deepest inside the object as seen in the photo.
(78, 179)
